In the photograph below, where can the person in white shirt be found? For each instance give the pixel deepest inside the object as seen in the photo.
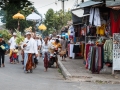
(38, 42)
(37, 39)
(45, 52)
(30, 47)
(12, 43)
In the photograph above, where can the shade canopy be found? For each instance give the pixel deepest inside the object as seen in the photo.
(89, 3)
(76, 19)
(18, 16)
(42, 27)
(33, 17)
(79, 13)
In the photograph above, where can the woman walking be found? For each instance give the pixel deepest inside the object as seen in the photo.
(45, 53)
(2, 51)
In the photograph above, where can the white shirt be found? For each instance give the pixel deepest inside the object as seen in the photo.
(45, 48)
(12, 42)
(38, 42)
(51, 41)
(31, 46)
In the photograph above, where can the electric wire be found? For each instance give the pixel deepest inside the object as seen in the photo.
(47, 4)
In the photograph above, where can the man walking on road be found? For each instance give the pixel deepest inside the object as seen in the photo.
(30, 48)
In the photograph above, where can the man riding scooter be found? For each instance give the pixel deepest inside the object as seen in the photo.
(53, 53)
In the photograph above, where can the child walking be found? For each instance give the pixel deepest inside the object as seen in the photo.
(15, 55)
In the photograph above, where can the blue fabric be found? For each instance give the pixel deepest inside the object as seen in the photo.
(25, 60)
(75, 40)
(6, 46)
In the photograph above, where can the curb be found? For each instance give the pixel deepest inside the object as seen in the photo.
(65, 72)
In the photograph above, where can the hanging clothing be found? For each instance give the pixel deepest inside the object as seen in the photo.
(71, 51)
(101, 29)
(87, 49)
(91, 15)
(97, 21)
(115, 21)
(95, 17)
(108, 51)
(76, 49)
(95, 58)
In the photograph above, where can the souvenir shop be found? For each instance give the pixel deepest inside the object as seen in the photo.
(76, 34)
(103, 26)
(99, 32)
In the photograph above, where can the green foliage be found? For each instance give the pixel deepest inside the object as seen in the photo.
(19, 38)
(54, 21)
(6, 35)
(11, 7)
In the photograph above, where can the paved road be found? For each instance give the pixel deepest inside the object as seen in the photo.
(12, 77)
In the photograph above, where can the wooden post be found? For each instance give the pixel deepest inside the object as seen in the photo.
(18, 25)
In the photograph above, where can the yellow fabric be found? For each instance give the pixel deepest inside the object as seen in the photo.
(101, 30)
(11, 51)
(57, 45)
(68, 32)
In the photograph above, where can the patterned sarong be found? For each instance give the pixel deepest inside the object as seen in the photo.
(28, 61)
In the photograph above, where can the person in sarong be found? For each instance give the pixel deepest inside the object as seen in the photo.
(38, 42)
(30, 47)
(45, 53)
(12, 43)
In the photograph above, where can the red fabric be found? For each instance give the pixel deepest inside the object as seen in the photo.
(115, 24)
(14, 55)
(71, 36)
(46, 61)
(87, 51)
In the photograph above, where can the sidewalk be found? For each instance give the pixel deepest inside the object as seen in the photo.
(74, 69)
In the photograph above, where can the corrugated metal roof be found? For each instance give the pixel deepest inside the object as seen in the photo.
(112, 3)
(89, 3)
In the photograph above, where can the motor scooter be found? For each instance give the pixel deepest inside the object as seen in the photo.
(53, 58)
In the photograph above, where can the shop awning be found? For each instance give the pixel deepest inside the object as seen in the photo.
(79, 13)
(112, 3)
(76, 19)
(89, 3)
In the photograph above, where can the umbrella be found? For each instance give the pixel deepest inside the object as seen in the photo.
(42, 27)
(33, 17)
(18, 16)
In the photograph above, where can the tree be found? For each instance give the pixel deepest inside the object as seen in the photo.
(56, 20)
(11, 7)
(49, 19)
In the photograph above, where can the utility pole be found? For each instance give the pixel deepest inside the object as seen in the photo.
(63, 7)
(63, 4)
